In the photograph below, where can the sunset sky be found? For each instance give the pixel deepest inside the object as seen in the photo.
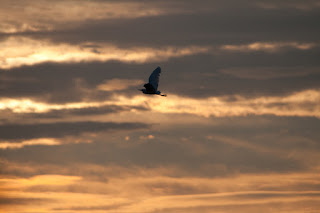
(238, 132)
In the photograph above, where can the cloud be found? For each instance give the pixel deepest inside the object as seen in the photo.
(238, 130)
(196, 76)
(268, 46)
(34, 142)
(55, 180)
(42, 51)
(34, 108)
(303, 103)
(151, 190)
(65, 114)
(279, 144)
(118, 84)
(236, 149)
(27, 105)
(148, 137)
(92, 208)
(56, 130)
(264, 73)
(5, 201)
(35, 51)
(211, 26)
(66, 13)
(275, 5)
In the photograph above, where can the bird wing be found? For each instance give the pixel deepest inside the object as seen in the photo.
(154, 78)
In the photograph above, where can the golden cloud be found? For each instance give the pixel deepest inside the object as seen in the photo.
(57, 14)
(148, 190)
(118, 84)
(40, 180)
(33, 142)
(40, 51)
(268, 46)
(303, 103)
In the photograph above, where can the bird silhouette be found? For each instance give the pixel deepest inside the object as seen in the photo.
(151, 88)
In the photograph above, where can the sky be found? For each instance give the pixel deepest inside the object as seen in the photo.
(239, 130)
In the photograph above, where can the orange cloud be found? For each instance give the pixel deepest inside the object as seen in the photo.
(40, 180)
(303, 103)
(40, 51)
(268, 46)
(147, 190)
(118, 84)
(55, 15)
(33, 142)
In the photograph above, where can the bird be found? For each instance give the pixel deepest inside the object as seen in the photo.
(151, 88)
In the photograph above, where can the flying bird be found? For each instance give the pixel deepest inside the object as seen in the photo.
(151, 88)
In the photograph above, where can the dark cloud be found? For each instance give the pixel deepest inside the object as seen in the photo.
(200, 76)
(22, 200)
(264, 73)
(252, 206)
(56, 130)
(219, 159)
(272, 148)
(85, 111)
(195, 76)
(209, 23)
(67, 113)
(205, 23)
(67, 82)
(93, 208)
(180, 147)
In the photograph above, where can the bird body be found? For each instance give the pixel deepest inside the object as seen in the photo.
(151, 88)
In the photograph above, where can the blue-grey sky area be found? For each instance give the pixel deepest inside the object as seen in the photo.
(238, 132)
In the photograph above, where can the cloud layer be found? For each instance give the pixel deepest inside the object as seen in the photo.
(238, 131)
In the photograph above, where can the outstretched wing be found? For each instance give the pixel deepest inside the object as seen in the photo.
(154, 78)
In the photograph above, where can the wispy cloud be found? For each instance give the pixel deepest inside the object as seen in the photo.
(118, 84)
(55, 15)
(303, 103)
(148, 190)
(276, 5)
(56, 180)
(238, 131)
(33, 142)
(268, 46)
(263, 73)
(60, 129)
(34, 52)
